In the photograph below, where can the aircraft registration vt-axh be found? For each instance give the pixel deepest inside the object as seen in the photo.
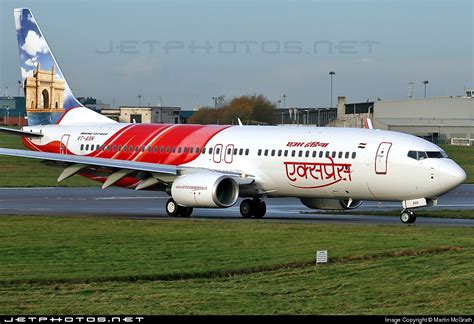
(211, 166)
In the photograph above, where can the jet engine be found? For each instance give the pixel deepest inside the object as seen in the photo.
(205, 189)
(318, 203)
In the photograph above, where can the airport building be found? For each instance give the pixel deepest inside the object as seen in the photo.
(12, 111)
(147, 114)
(305, 116)
(438, 119)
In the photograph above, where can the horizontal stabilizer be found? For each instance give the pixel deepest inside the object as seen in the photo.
(19, 132)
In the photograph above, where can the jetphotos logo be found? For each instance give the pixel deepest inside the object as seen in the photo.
(313, 175)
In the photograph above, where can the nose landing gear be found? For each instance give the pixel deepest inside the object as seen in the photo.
(407, 216)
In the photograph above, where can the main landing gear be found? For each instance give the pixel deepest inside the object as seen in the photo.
(253, 208)
(174, 210)
(407, 216)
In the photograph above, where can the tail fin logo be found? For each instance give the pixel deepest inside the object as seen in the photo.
(47, 93)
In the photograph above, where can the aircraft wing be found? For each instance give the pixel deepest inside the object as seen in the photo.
(122, 168)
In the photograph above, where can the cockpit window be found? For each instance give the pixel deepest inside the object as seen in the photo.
(420, 155)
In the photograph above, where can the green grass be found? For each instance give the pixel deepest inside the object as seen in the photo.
(23, 172)
(74, 265)
(444, 213)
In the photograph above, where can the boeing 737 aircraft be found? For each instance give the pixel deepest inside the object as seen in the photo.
(212, 166)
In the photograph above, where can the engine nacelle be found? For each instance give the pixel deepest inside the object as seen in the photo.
(205, 189)
(318, 203)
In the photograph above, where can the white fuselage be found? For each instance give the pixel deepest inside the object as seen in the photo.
(362, 164)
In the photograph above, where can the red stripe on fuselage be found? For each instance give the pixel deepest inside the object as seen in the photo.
(145, 136)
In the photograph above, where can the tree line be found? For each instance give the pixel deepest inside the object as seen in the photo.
(251, 109)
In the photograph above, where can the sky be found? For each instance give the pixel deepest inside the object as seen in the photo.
(183, 53)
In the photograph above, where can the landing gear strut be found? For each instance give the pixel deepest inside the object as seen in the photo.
(253, 208)
(174, 210)
(407, 216)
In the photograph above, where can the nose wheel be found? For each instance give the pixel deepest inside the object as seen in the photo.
(407, 216)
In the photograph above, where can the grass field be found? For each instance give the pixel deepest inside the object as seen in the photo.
(21, 172)
(443, 213)
(74, 265)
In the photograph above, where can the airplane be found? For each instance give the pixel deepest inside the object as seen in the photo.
(211, 166)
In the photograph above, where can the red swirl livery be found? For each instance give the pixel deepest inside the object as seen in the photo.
(211, 166)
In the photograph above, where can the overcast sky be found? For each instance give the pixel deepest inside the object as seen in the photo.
(186, 52)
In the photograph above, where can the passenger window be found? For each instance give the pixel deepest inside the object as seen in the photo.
(162, 149)
(203, 150)
(125, 148)
(229, 150)
(354, 155)
(235, 151)
(218, 150)
(307, 154)
(340, 155)
(241, 152)
(347, 155)
(114, 147)
(333, 154)
(108, 147)
(273, 152)
(149, 148)
(185, 149)
(285, 153)
(246, 151)
(137, 148)
(167, 149)
(190, 150)
(327, 154)
(120, 148)
(300, 153)
(321, 154)
(155, 149)
(315, 153)
(259, 152)
(179, 150)
(82, 147)
(197, 150)
(279, 152)
(143, 148)
(293, 153)
(210, 150)
(87, 147)
(173, 149)
(266, 152)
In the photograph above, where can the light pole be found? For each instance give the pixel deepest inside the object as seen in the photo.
(139, 99)
(215, 107)
(284, 104)
(19, 88)
(425, 83)
(332, 73)
(307, 116)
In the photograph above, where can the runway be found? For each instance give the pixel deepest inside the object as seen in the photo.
(146, 205)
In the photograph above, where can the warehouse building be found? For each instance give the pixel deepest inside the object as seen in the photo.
(437, 119)
(12, 111)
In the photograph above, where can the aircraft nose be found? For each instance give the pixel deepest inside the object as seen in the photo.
(451, 175)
